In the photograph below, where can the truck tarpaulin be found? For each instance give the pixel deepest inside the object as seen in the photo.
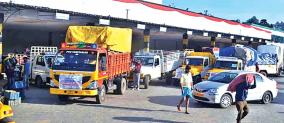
(117, 39)
(247, 54)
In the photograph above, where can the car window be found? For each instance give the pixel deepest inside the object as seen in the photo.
(40, 61)
(258, 78)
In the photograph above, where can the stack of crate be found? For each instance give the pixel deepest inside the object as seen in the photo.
(12, 97)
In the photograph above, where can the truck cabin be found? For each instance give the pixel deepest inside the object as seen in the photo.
(229, 64)
(150, 61)
(80, 58)
(197, 61)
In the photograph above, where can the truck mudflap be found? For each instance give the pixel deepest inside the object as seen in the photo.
(57, 91)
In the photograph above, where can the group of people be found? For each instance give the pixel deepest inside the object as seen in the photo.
(16, 72)
(241, 89)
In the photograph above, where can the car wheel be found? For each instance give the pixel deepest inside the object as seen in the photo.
(263, 73)
(266, 98)
(38, 81)
(226, 101)
(101, 95)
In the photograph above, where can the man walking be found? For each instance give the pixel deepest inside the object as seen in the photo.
(241, 95)
(27, 71)
(136, 74)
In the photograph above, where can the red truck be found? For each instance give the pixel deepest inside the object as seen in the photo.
(92, 69)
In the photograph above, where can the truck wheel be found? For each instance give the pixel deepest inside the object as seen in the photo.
(263, 73)
(38, 81)
(121, 86)
(7, 120)
(63, 98)
(101, 94)
(146, 81)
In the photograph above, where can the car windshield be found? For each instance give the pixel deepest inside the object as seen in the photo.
(75, 61)
(230, 65)
(194, 61)
(145, 61)
(223, 77)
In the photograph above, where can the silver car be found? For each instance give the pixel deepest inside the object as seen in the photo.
(214, 90)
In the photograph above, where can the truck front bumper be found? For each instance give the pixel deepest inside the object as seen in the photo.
(57, 91)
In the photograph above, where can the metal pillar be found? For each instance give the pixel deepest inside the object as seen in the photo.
(185, 41)
(234, 42)
(147, 40)
(213, 41)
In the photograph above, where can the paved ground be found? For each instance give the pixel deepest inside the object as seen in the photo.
(157, 104)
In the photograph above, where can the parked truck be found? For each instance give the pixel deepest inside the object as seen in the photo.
(270, 60)
(93, 61)
(41, 58)
(157, 64)
(234, 58)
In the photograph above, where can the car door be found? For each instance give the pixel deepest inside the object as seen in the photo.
(256, 93)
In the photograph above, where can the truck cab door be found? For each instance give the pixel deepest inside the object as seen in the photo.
(102, 66)
(157, 68)
(206, 67)
(38, 67)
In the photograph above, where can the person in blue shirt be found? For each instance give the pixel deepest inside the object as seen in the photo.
(241, 96)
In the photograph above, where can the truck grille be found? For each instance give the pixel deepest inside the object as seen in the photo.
(84, 79)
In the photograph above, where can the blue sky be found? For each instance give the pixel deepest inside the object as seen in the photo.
(272, 10)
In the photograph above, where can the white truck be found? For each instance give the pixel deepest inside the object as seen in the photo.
(270, 60)
(41, 60)
(157, 64)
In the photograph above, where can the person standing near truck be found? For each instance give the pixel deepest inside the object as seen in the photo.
(136, 74)
(10, 64)
(186, 85)
(27, 71)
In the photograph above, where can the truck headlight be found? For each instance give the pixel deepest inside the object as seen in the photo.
(93, 85)
(213, 91)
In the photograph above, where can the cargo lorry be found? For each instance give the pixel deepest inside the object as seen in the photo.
(92, 61)
(41, 58)
(234, 58)
(270, 60)
(157, 64)
(200, 63)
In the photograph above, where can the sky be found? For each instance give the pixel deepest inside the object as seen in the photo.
(272, 10)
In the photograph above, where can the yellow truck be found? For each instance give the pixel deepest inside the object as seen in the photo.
(91, 69)
(200, 62)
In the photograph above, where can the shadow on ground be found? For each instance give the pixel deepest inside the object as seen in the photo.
(173, 100)
(145, 119)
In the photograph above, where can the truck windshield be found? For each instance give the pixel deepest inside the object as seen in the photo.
(195, 61)
(49, 60)
(75, 61)
(230, 65)
(145, 61)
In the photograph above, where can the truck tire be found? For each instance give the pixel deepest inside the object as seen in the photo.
(146, 81)
(38, 81)
(264, 73)
(101, 94)
(121, 86)
(7, 120)
(63, 98)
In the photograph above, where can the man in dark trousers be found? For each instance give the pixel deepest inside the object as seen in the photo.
(136, 74)
(241, 95)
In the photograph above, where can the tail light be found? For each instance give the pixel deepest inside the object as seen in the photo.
(63, 45)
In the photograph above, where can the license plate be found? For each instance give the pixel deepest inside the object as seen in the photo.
(195, 93)
(70, 81)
